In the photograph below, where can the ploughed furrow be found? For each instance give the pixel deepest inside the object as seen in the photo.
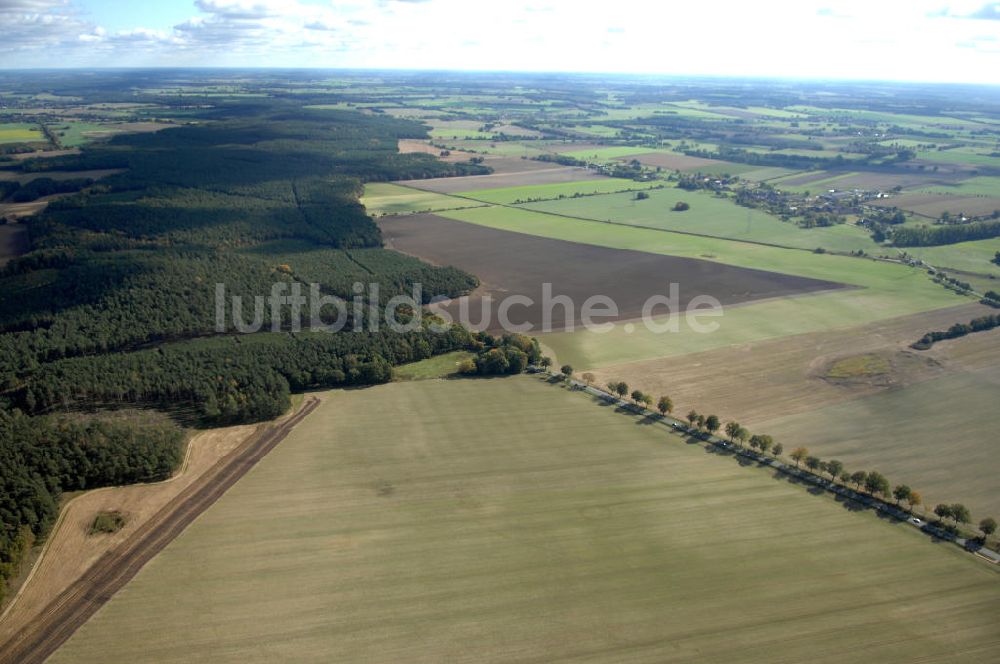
(74, 606)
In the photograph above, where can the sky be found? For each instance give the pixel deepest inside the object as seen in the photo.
(907, 40)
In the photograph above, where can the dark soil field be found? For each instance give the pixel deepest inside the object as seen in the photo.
(513, 263)
(13, 241)
(529, 176)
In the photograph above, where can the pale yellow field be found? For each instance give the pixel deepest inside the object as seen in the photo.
(511, 520)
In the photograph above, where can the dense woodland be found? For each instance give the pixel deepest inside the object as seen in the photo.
(40, 457)
(927, 236)
(114, 305)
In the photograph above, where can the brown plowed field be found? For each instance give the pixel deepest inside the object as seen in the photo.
(510, 263)
(13, 241)
(675, 162)
(49, 630)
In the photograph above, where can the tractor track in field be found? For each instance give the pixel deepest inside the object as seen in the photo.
(74, 606)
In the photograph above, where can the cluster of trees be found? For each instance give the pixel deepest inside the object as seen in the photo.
(232, 379)
(40, 457)
(504, 355)
(872, 482)
(927, 236)
(981, 324)
(39, 187)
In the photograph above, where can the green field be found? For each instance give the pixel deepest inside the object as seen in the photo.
(439, 366)
(509, 195)
(886, 290)
(384, 198)
(72, 134)
(978, 186)
(976, 256)
(907, 431)
(561, 531)
(709, 215)
(20, 132)
(966, 156)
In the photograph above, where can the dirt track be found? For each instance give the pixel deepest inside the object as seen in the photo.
(80, 601)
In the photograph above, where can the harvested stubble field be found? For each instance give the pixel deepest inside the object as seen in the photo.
(898, 422)
(500, 180)
(514, 263)
(931, 205)
(563, 531)
(673, 161)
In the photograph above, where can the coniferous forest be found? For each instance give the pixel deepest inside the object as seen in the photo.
(114, 304)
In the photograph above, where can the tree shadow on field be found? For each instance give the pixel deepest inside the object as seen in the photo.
(649, 419)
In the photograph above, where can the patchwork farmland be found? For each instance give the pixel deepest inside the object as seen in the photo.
(444, 510)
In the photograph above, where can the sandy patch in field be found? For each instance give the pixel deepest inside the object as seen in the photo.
(414, 145)
(48, 153)
(18, 210)
(761, 381)
(70, 550)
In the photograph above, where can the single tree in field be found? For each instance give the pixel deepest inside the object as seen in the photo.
(987, 526)
(798, 454)
(621, 389)
(742, 436)
(765, 443)
(914, 499)
(877, 484)
(942, 511)
(588, 378)
(646, 400)
(692, 417)
(858, 478)
(778, 449)
(901, 493)
(545, 362)
(813, 463)
(732, 428)
(636, 396)
(960, 513)
(712, 423)
(701, 422)
(665, 405)
(845, 478)
(567, 371)
(834, 468)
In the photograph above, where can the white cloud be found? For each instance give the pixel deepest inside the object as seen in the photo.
(914, 39)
